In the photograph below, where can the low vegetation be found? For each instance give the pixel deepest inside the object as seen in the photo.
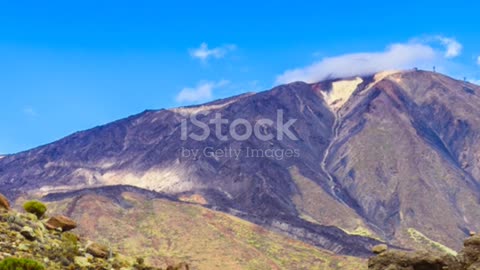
(165, 232)
(20, 264)
(35, 207)
(26, 243)
(424, 241)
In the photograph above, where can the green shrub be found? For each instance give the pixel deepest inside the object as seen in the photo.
(20, 264)
(66, 250)
(36, 208)
(69, 247)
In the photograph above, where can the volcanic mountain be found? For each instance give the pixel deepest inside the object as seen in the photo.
(391, 157)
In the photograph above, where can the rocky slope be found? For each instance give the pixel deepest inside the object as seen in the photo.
(25, 237)
(391, 157)
(166, 231)
(406, 152)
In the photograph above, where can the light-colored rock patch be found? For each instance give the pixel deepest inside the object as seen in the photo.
(341, 92)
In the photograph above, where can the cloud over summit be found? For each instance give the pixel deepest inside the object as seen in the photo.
(397, 56)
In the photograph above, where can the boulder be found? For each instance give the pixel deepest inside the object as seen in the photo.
(378, 249)
(98, 251)
(23, 247)
(4, 203)
(400, 260)
(28, 233)
(470, 255)
(60, 222)
(475, 266)
(81, 262)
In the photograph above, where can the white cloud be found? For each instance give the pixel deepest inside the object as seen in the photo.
(202, 92)
(396, 56)
(203, 52)
(452, 46)
(29, 111)
(416, 53)
(478, 60)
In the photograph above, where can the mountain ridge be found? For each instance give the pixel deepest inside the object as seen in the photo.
(370, 148)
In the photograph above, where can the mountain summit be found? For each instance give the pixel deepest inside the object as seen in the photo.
(342, 164)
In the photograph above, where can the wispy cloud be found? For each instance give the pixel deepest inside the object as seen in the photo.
(478, 60)
(453, 47)
(399, 56)
(202, 92)
(29, 111)
(204, 53)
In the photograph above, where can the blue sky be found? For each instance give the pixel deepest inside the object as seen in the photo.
(71, 65)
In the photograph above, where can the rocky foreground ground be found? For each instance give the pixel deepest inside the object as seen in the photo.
(467, 259)
(47, 243)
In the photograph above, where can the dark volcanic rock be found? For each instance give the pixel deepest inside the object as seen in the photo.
(467, 259)
(395, 260)
(112, 192)
(470, 255)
